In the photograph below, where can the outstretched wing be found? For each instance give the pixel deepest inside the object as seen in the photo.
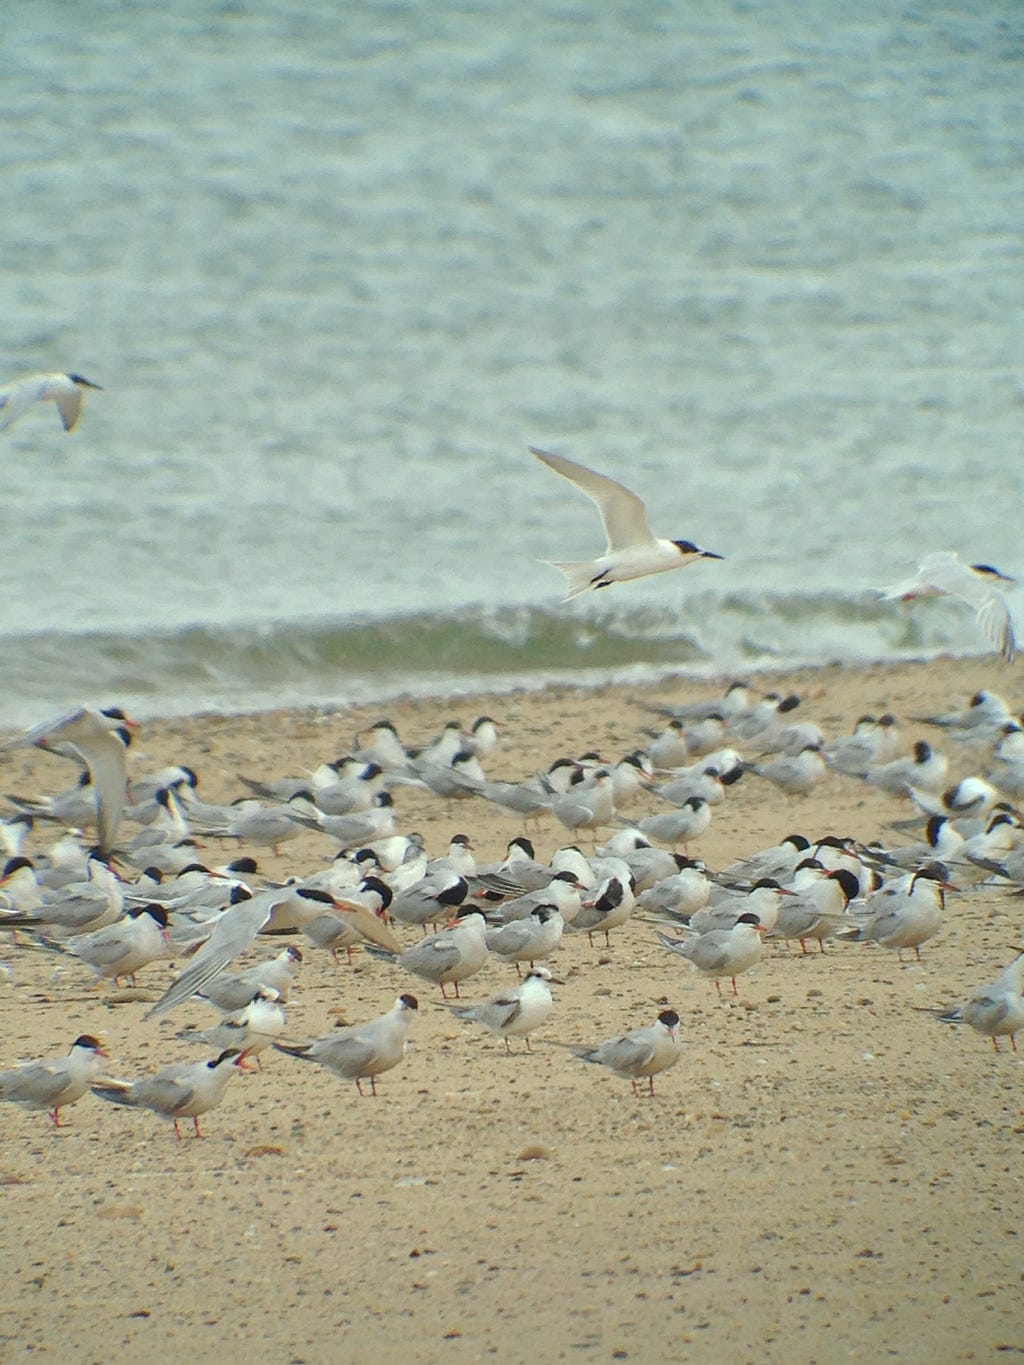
(623, 513)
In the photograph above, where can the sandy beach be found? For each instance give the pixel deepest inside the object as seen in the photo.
(829, 1173)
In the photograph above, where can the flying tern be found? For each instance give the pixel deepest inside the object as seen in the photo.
(66, 390)
(633, 551)
(99, 740)
(944, 575)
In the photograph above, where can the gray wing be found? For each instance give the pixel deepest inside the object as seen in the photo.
(346, 1053)
(40, 1083)
(232, 934)
(626, 1054)
(494, 1014)
(511, 937)
(166, 1092)
(431, 960)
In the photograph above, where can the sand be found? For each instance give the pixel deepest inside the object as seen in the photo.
(829, 1173)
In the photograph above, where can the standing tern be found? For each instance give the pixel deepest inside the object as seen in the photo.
(182, 1091)
(362, 1051)
(54, 1084)
(633, 551)
(641, 1052)
(514, 1013)
(249, 1030)
(66, 390)
(943, 575)
(721, 952)
(997, 1011)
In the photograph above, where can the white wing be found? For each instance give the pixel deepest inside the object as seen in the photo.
(623, 513)
(18, 397)
(69, 404)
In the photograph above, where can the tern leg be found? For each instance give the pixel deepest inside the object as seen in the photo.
(54, 1114)
(995, 1042)
(195, 1123)
(177, 1130)
(1013, 1041)
(717, 987)
(735, 989)
(650, 1085)
(373, 1085)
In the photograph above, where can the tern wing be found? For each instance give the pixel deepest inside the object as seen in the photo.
(231, 935)
(623, 513)
(69, 405)
(994, 619)
(628, 1053)
(41, 1083)
(17, 398)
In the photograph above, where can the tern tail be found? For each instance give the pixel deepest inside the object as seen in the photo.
(583, 575)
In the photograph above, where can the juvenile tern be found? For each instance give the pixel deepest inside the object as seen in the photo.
(362, 1051)
(514, 1013)
(185, 1090)
(66, 390)
(248, 1030)
(944, 575)
(641, 1052)
(53, 1085)
(633, 551)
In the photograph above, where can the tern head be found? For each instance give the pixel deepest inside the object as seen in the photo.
(89, 1044)
(687, 547)
(231, 1055)
(987, 571)
(670, 1020)
(753, 921)
(84, 383)
(408, 1002)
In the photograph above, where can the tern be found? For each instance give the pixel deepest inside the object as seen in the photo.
(182, 1091)
(633, 551)
(66, 390)
(363, 1051)
(53, 1085)
(996, 1010)
(249, 1030)
(514, 1013)
(99, 739)
(641, 1052)
(943, 575)
(721, 952)
(230, 993)
(526, 940)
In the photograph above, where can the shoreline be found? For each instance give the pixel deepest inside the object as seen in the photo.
(824, 1172)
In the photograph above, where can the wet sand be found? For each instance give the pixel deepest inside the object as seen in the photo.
(828, 1173)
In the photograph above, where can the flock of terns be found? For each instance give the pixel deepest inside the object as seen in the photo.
(122, 903)
(82, 900)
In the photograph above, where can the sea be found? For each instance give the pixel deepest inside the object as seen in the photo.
(338, 266)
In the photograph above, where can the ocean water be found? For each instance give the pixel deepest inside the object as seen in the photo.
(338, 267)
